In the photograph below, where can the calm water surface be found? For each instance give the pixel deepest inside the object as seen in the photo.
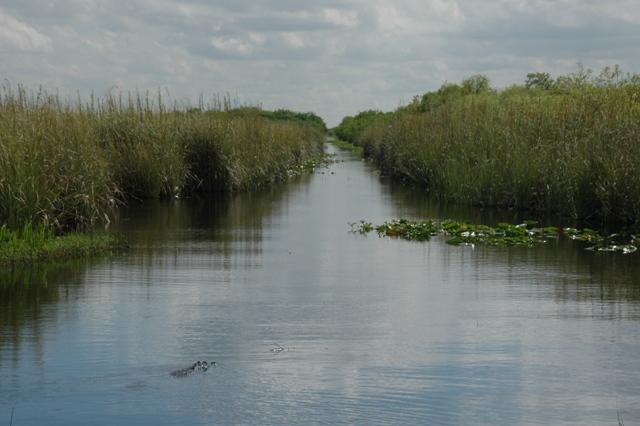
(374, 331)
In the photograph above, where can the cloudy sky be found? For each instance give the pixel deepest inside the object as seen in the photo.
(334, 57)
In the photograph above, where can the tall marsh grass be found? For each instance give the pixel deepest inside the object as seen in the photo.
(69, 166)
(572, 149)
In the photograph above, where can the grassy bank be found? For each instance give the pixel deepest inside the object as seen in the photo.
(346, 146)
(68, 167)
(30, 244)
(569, 145)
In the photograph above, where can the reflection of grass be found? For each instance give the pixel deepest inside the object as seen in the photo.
(38, 243)
(344, 145)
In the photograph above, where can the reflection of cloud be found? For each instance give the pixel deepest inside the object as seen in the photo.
(331, 56)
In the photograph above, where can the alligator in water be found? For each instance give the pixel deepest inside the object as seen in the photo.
(197, 367)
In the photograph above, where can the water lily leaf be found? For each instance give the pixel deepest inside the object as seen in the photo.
(503, 235)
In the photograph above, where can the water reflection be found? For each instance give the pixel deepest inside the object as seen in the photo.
(26, 293)
(375, 331)
(573, 273)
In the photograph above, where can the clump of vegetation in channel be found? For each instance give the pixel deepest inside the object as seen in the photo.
(504, 234)
(613, 242)
(30, 244)
(566, 145)
(309, 166)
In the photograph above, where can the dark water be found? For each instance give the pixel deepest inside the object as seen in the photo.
(374, 331)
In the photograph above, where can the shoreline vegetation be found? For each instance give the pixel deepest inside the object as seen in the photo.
(41, 244)
(346, 146)
(568, 146)
(66, 168)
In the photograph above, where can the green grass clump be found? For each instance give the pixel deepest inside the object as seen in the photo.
(30, 244)
(52, 168)
(569, 146)
(226, 153)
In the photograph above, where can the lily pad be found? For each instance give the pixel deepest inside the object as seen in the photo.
(504, 234)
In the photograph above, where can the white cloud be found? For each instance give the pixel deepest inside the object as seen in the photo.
(231, 45)
(344, 18)
(334, 57)
(294, 40)
(410, 18)
(16, 35)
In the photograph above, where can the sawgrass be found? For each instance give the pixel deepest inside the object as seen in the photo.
(69, 166)
(66, 167)
(572, 150)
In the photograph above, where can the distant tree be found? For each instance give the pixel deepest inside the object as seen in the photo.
(446, 93)
(352, 127)
(476, 84)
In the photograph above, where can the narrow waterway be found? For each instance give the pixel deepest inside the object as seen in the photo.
(310, 324)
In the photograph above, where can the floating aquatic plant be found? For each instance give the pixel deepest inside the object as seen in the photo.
(419, 231)
(503, 234)
(361, 227)
(316, 162)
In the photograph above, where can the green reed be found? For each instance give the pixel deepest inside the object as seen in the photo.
(70, 165)
(570, 150)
